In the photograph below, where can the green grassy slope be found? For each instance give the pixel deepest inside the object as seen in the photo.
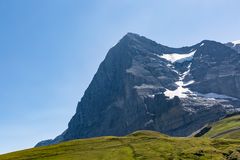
(137, 146)
(225, 128)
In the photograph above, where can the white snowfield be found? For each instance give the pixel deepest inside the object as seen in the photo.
(185, 92)
(181, 91)
(176, 57)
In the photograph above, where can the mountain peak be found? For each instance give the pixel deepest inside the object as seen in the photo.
(136, 38)
(130, 34)
(140, 43)
(210, 42)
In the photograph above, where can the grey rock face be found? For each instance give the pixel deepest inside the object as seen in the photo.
(128, 92)
(216, 68)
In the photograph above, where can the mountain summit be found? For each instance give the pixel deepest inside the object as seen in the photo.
(143, 85)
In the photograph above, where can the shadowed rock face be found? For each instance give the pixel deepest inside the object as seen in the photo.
(128, 92)
(215, 68)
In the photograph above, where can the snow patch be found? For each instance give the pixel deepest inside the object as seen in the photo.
(188, 83)
(144, 86)
(181, 91)
(151, 95)
(176, 57)
(236, 42)
(215, 96)
(202, 45)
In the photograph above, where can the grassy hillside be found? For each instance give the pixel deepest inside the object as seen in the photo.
(225, 128)
(137, 146)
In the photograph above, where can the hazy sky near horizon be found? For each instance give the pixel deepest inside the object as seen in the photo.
(50, 50)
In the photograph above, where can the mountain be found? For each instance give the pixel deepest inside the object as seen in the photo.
(147, 145)
(143, 85)
(234, 45)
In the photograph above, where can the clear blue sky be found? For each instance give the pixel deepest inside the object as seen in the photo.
(50, 50)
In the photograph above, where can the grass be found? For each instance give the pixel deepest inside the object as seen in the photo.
(225, 125)
(140, 145)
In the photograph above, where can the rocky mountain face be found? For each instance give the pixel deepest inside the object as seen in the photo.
(143, 85)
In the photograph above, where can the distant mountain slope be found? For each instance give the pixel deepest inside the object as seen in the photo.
(143, 85)
(234, 45)
(228, 128)
(137, 146)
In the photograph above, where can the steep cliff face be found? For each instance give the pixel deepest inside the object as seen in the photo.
(145, 85)
(114, 104)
